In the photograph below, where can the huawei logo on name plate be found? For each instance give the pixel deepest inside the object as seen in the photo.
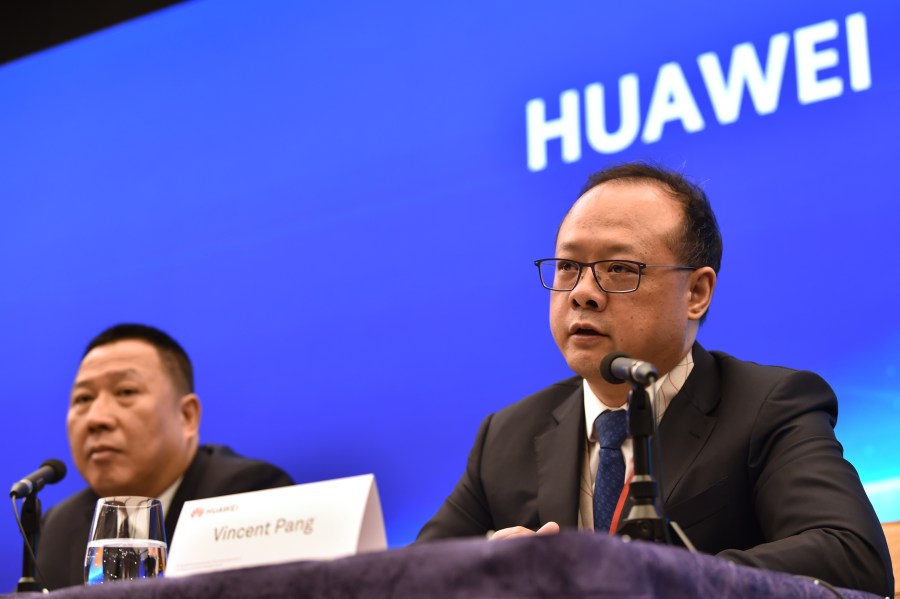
(199, 510)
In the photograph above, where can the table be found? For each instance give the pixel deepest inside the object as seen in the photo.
(572, 564)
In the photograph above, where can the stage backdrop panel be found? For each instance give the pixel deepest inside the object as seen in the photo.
(335, 208)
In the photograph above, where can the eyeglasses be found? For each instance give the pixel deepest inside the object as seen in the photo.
(613, 276)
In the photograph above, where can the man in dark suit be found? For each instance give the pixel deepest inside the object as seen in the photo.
(133, 426)
(748, 462)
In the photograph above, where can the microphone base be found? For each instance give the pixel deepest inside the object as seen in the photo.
(653, 529)
(645, 524)
(28, 584)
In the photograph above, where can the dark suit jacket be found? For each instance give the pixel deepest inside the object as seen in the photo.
(216, 470)
(750, 469)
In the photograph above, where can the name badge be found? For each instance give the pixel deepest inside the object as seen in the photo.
(314, 521)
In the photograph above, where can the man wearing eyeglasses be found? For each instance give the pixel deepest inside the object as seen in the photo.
(750, 467)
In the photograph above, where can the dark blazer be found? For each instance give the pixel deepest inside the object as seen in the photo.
(750, 469)
(216, 470)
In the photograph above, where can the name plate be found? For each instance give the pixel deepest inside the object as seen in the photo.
(313, 521)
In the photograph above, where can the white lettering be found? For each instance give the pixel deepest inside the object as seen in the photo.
(810, 61)
(815, 51)
(540, 130)
(858, 52)
(672, 101)
(629, 116)
(726, 94)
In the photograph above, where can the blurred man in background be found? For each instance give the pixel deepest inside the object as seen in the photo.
(133, 427)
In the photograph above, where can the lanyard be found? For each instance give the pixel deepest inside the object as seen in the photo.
(620, 504)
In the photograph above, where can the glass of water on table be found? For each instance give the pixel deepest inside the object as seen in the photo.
(127, 542)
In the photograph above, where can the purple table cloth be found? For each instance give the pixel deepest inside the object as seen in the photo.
(566, 565)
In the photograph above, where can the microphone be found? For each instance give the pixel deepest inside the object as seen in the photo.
(51, 471)
(617, 367)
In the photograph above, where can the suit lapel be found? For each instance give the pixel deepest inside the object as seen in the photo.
(687, 423)
(559, 453)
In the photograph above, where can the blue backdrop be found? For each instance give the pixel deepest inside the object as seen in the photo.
(335, 208)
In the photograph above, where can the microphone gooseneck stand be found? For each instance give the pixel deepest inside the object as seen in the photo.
(51, 471)
(645, 520)
(31, 525)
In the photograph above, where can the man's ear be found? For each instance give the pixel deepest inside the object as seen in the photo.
(190, 414)
(702, 283)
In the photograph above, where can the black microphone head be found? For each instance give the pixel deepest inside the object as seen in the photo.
(606, 367)
(59, 470)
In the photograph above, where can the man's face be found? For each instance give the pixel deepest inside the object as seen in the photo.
(658, 322)
(128, 430)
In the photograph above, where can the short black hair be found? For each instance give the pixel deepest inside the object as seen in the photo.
(172, 355)
(701, 241)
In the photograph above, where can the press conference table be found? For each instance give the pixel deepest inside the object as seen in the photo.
(566, 565)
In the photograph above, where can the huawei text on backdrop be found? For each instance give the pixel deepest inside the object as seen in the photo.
(816, 48)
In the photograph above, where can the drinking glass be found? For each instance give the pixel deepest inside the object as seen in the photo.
(128, 540)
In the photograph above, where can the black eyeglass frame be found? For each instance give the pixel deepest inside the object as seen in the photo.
(582, 265)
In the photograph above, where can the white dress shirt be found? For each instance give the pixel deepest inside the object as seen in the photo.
(666, 388)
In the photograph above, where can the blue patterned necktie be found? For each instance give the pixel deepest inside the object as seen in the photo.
(610, 430)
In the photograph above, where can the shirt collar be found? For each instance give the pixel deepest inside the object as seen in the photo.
(166, 496)
(664, 391)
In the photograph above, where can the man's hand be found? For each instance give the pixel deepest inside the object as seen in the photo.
(550, 528)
